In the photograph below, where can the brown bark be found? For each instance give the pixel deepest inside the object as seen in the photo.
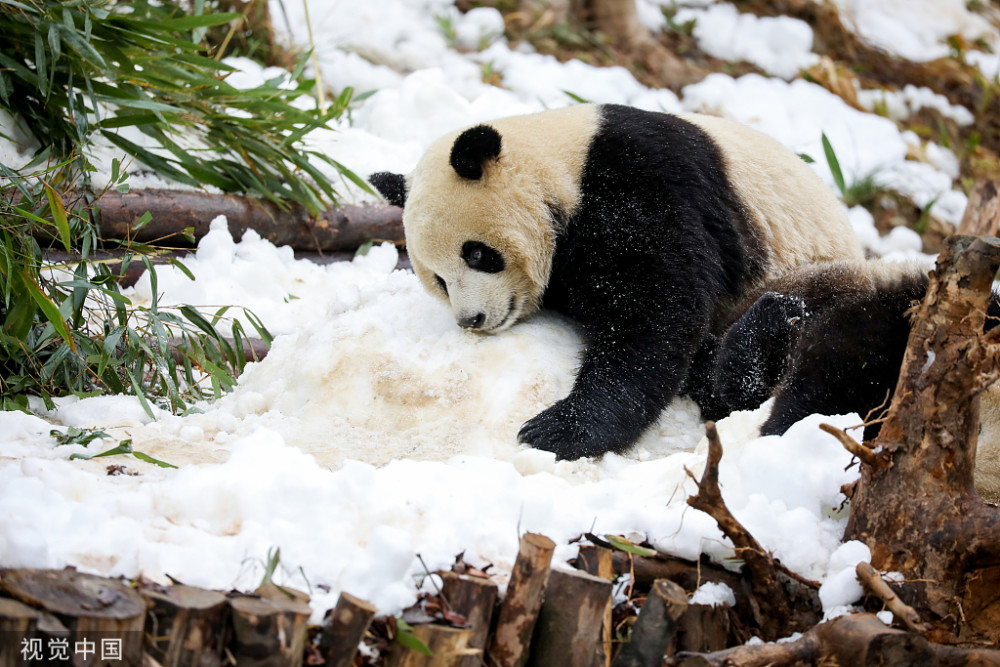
(982, 214)
(860, 639)
(343, 228)
(475, 599)
(268, 632)
(703, 628)
(599, 561)
(655, 627)
(93, 608)
(916, 509)
(874, 582)
(519, 611)
(344, 628)
(185, 626)
(568, 631)
(782, 602)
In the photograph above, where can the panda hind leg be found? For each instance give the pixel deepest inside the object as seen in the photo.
(754, 353)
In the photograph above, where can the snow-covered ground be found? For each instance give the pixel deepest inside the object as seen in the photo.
(377, 431)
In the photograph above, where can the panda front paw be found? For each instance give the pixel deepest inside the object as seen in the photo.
(569, 433)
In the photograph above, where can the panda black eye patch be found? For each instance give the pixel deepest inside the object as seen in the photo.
(442, 283)
(481, 257)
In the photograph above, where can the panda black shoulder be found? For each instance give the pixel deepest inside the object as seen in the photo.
(673, 175)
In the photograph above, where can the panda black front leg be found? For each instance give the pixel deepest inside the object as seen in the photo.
(643, 328)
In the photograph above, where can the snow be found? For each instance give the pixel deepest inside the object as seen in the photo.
(376, 431)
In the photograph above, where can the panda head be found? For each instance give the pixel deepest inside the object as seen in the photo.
(481, 211)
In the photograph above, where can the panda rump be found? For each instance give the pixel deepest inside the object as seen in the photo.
(648, 229)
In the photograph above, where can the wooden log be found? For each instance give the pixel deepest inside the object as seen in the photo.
(18, 623)
(449, 648)
(185, 626)
(655, 627)
(703, 627)
(268, 632)
(343, 629)
(599, 562)
(982, 214)
(474, 598)
(343, 228)
(101, 614)
(568, 631)
(519, 610)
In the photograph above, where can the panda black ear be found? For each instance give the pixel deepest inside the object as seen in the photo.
(391, 186)
(472, 149)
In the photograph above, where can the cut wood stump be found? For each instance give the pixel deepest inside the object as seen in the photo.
(474, 598)
(99, 613)
(655, 627)
(18, 623)
(599, 561)
(343, 629)
(982, 215)
(703, 628)
(519, 610)
(268, 632)
(568, 631)
(449, 648)
(185, 626)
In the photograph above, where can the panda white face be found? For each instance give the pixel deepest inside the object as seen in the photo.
(482, 209)
(480, 286)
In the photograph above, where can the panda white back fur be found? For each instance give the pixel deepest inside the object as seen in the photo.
(648, 229)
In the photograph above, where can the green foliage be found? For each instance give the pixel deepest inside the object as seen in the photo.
(406, 638)
(84, 67)
(68, 329)
(670, 14)
(860, 192)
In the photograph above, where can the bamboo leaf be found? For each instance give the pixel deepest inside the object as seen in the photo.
(831, 159)
(58, 210)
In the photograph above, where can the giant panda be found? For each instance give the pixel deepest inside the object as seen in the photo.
(646, 228)
(830, 338)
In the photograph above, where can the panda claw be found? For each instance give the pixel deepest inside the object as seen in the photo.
(560, 430)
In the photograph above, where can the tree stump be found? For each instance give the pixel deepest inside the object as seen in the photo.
(568, 631)
(519, 610)
(104, 616)
(599, 561)
(268, 632)
(914, 506)
(344, 628)
(474, 598)
(449, 648)
(186, 626)
(655, 626)
(17, 624)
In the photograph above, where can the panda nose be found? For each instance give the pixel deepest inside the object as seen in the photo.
(472, 321)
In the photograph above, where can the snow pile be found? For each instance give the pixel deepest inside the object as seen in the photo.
(917, 30)
(378, 431)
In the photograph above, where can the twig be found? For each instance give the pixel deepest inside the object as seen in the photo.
(866, 455)
(874, 582)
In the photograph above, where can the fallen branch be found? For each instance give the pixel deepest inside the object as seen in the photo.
(173, 211)
(874, 582)
(866, 455)
(782, 601)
